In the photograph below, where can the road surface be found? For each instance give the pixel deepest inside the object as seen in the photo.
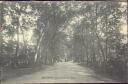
(63, 72)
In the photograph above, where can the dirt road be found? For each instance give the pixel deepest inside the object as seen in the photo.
(63, 72)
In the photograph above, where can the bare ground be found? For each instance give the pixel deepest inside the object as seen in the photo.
(63, 72)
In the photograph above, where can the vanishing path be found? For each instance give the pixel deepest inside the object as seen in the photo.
(63, 72)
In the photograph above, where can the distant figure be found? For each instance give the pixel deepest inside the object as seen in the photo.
(65, 60)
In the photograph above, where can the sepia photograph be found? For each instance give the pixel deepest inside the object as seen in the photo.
(63, 42)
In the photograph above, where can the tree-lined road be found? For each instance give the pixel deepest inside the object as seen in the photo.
(63, 72)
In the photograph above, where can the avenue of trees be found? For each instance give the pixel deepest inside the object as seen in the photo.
(97, 40)
(42, 32)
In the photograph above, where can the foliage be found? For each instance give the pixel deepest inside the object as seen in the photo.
(45, 33)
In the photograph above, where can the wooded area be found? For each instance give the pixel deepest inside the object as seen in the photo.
(89, 33)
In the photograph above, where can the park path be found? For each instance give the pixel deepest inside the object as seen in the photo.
(62, 72)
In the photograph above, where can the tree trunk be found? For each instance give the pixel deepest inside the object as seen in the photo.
(38, 46)
(99, 42)
(25, 46)
(17, 46)
(106, 41)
